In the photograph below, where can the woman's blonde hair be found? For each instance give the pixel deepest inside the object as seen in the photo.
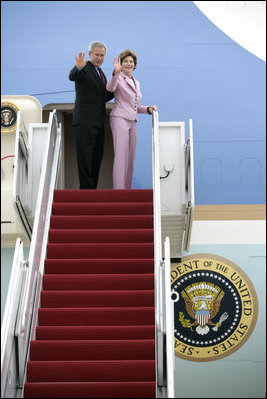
(127, 53)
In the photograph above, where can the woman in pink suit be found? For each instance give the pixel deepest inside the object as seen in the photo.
(123, 117)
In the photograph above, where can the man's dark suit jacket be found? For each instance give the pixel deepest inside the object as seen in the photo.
(91, 96)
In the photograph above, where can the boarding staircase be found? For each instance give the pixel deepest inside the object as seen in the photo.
(89, 314)
(96, 325)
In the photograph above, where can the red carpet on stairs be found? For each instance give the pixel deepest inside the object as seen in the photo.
(96, 330)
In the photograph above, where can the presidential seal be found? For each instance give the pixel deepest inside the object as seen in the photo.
(215, 307)
(8, 117)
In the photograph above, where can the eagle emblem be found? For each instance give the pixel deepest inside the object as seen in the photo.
(202, 303)
(6, 117)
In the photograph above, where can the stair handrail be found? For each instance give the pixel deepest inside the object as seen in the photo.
(189, 187)
(164, 337)
(9, 318)
(157, 211)
(27, 312)
(158, 269)
(169, 326)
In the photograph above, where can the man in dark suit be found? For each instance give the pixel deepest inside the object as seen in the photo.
(89, 113)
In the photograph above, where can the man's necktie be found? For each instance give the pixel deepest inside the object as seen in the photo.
(102, 76)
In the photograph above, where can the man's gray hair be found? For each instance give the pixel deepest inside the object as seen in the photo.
(97, 44)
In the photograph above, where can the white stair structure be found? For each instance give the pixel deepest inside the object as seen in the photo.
(37, 173)
(176, 183)
(17, 166)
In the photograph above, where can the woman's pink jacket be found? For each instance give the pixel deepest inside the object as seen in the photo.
(127, 99)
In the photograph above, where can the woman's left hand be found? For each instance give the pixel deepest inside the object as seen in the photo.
(152, 108)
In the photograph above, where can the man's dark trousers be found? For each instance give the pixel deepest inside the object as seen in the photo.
(90, 147)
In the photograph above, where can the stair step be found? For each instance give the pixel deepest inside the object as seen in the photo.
(143, 389)
(61, 282)
(100, 266)
(92, 349)
(92, 298)
(103, 208)
(101, 221)
(96, 316)
(100, 250)
(112, 195)
(100, 235)
(95, 332)
(91, 370)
